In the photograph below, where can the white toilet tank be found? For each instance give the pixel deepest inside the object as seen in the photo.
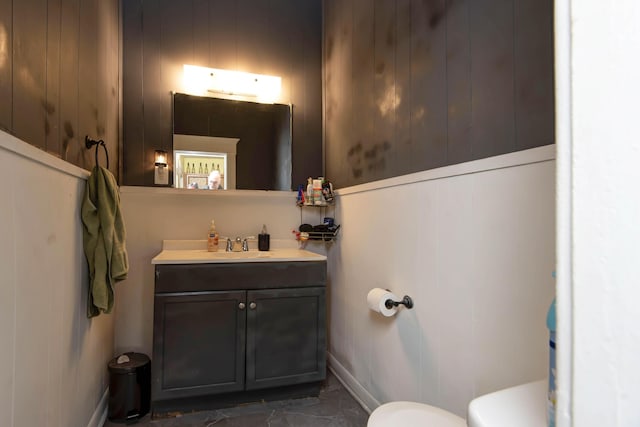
(522, 406)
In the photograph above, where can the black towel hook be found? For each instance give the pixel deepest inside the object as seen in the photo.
(88, 142)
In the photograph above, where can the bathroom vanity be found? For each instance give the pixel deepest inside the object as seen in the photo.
(236, 327)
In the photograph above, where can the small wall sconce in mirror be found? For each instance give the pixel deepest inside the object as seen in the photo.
(161, 175)
(200, 80)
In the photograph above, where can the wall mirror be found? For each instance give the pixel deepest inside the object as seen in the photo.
(248, 144)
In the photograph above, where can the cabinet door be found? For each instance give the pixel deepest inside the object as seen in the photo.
(199, 344)
(286, 337)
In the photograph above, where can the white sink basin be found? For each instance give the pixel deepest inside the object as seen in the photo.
(237, 255)
(201, 256)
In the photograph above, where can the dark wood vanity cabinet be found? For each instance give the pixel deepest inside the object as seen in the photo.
(198, 344)
(233, 327)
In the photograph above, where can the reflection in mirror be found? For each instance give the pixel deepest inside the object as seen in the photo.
(196, 159)
(248, 143)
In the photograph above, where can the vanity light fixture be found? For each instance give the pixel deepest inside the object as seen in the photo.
(161, 176)
(161, 158)
(199, 80)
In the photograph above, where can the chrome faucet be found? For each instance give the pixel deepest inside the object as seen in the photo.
(235, 245)
(239, 244)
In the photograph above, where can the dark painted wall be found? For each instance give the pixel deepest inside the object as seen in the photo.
(59, 75)
(412, 85)
(276, 37)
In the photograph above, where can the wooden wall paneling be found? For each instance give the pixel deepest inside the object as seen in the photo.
(403, 88)
(108, 61)
(362, 83)
(223, 42)
(283, 51)
(284, 60)
(492, 67)
(176, 40)
(114, 123)
(279, 58)
(88, 101)
(253, 30)
(102, 78)
(6, 64)
(295, 33)
(381, 160)
(71, 142)
(52, 103)
(333, 110)
(29, 70)
(428, 77)
(201, 36)
(132, 92)
(341, 155)
(312, 54)
(534, 81)
(176, 49)
(155, 35)
(458, 83)
(461, 92)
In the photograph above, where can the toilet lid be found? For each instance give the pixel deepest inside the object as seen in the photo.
(412, 414)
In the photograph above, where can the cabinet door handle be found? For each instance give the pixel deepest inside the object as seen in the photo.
(252, 306)
(241, 306)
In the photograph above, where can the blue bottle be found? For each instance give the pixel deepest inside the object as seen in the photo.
(551, 394)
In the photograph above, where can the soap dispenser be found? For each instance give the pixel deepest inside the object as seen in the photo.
(213, 238)
(263, 239)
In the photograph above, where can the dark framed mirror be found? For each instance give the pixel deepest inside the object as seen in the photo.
(261, 135)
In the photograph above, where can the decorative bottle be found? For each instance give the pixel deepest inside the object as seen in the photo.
(212, 238)
(309, 200)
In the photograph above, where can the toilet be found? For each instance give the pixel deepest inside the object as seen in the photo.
(522, 406)
(412, 414)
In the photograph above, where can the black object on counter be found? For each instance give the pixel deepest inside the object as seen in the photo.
(263, 242)
(263, 239)
(129, 388)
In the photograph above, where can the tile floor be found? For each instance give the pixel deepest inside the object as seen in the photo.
(333, 407)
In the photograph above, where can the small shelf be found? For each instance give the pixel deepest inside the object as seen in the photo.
(326, 236)
(323, 205)
(323, 235)
(317, 236)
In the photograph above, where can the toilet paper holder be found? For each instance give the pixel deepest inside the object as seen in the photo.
(406, 301)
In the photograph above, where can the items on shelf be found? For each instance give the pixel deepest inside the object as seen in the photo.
(327, 231)
(318, 192)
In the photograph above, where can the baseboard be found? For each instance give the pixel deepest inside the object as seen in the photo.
(359, 393)
(100, 414)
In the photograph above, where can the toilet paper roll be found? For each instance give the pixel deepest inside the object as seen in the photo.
(376, 299)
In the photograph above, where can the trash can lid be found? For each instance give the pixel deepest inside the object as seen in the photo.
(129, 362)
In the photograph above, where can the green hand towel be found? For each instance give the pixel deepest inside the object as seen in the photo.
(104, 240)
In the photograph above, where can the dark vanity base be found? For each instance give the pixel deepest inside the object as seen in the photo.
(175, 407)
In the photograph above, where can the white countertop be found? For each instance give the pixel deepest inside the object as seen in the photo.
(195, 252)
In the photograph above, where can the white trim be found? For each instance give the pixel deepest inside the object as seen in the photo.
(291, 195)
(12, 144)
(99, 416)
(518, 158)
(355, 389)
(564, 212)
